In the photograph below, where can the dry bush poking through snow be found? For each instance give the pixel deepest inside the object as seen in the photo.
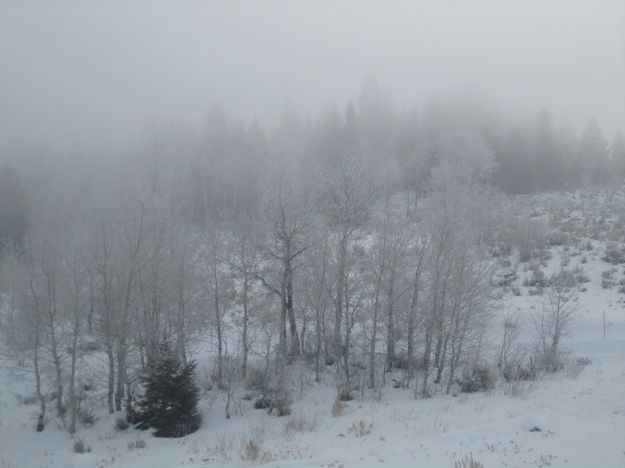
(468, 462)
(252, 450)
(345, 394)
(262, 403)
(614, 254)
(121, 424)
(251, 445)
(361, 428)
(275, 399)
(136, 444)
(256, 378)
(87, 417)
(519, 388)
(300, 423)
(607, 278)
(337, 408)
(80, 446)
(26, 400)
(478, 378)
(573, 368)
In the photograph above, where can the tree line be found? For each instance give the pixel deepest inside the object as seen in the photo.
(358, 243)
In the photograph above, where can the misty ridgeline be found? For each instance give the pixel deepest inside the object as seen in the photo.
(358, 248)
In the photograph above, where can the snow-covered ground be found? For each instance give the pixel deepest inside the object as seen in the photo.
(573, 418)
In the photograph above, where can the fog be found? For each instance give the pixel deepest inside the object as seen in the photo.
(94, 72)
(211, 208)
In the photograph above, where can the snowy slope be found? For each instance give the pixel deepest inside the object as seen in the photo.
(580, 412)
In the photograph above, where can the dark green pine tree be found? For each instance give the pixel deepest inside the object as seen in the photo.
(169, 404)
(14, 208)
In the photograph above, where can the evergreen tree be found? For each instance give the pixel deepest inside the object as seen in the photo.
(547, 167)
(617, 152)
(14, 207)
(594, 153)
(567, 147)
(514, 173)
(169, 404)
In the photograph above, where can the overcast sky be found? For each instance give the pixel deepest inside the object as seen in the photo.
(100, 70)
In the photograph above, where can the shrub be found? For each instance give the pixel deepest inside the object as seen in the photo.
(518, 388)
(300, 423)
(251, 450)
(345, 395)
(80, 446)
(256, 379)
(607, 278)
(468, 462)
(506, 278)
(514, 372)
(281, 403)
(614, 254)
(528, 236)
(569, 278)
(337, 408)
(27, 400)
(275, 399)
(556, 238)
(89, 345)
(262, 403)
(537, 278)
(479, 378)
(360, 428)
(549, 360)
(86, 417)
(205, 380)
(169, 404)
(136, 444)
(121, 424)
(401, 361)
(572, 370)
(573, 367)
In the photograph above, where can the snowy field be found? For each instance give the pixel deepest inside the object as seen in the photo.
(572, 418)
(312, 234)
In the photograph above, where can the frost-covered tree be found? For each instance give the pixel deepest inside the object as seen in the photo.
(243, 259)
(457, 214)
(553, 320)
(346, 200)
(287, 210)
